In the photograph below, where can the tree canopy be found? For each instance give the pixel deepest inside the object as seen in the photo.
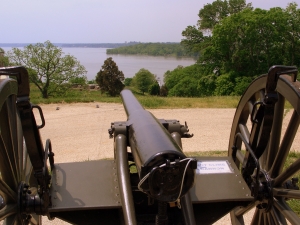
(143, 79)
(110, 78)
(4, 61)
(235, 44)
(154, 49)
(249, 42)
(48, 67)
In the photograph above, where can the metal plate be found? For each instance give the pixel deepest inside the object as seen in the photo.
(84, 185)
(219, 187)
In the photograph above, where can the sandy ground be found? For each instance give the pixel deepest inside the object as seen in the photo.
(79, 132)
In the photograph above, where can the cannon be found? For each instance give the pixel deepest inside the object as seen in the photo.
(150, 180)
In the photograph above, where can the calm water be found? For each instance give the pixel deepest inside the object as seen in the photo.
(93, 58)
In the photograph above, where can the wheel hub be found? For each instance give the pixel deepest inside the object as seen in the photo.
(262, 190)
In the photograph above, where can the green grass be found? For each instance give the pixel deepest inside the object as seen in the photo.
(292, 157)
(72, 96)
(148, 101)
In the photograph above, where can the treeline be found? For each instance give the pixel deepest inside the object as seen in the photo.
(96, 45)
(235, 43)
(154, 49)
(75, 45)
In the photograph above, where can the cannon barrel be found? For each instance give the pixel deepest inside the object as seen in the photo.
(165, 172)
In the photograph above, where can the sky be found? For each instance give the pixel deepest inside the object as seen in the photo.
(103, 21)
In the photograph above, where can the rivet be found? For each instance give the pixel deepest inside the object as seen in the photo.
(240, 181)
(247, 195)
(2, 203)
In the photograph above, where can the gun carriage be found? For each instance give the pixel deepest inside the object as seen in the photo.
(151, 180)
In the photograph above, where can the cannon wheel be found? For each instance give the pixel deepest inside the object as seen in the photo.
(15, 165)
(274, 158)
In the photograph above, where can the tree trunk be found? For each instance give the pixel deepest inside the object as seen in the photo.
(45, 94)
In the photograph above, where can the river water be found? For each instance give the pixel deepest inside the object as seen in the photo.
(93, 58)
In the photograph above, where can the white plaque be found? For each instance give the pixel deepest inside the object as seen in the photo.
(216, 166)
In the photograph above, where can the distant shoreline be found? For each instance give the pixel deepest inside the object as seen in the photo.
(78, 45)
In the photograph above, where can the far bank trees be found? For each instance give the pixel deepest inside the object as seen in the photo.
(109, 78)
(48, 67)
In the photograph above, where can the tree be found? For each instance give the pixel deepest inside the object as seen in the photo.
(163, 91)
(183, 81)
(143, 79)
(187, 87)
(198, 38)
(212, 14)
(4, 61)
(250, 42)
(48, 67)
(109, 78)
(78, 81)
(127, 81)
(194, 39)
(154, 89)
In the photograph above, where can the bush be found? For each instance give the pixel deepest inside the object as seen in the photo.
(187, 87)
(154, 89)
(127, 82)
(224, 85)
(163, 91)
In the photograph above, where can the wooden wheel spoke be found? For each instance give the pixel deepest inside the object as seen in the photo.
(15, 131)
(10, 194)
(6, 167)
(286, 211)
(35, 219)
(274, 141)
(8, 210)
(13, 220)
(270, 219)
(286, 174)
(244, 131)
(8, 132)
(286, 193)
(286, 144)
(250, 104)
(278, 219)
(242, 210)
